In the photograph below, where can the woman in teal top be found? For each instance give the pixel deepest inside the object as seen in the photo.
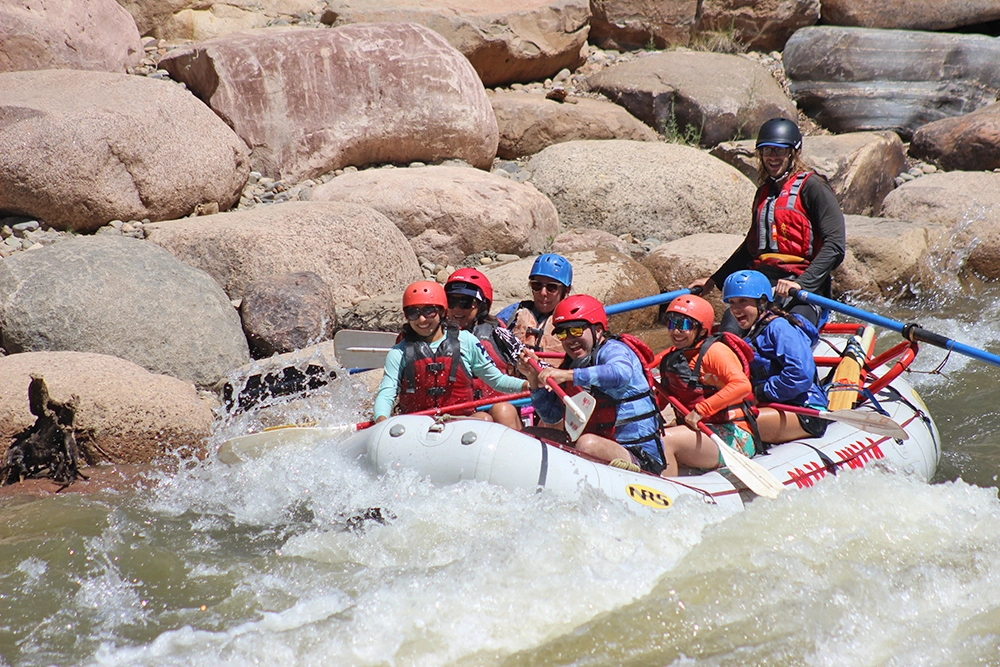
(433, 365)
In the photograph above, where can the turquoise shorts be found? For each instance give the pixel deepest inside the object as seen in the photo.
(735, 437)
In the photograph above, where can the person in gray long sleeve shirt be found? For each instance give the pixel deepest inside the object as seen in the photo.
(797, 235)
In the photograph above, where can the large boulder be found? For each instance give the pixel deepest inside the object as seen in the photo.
(884, 255)
(67, 34)
(528, 122)
(677, 263)
(124, 414)
(963, 143)
(506, 41)
(860, 166)
(632, 24)
(910, 14)
(701, 97)
(122, 297)
(287, 312)
(307, 102)
(354, 249)
(604, 274)
(83, 148)
(852, 79)
(763, 25)
(451, 212)
(660, 190)
(965, 203)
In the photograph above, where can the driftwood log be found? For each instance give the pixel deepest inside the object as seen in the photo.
(48, 447)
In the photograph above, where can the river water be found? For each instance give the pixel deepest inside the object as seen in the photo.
(273, 563)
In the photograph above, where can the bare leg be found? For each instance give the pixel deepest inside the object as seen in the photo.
(682, 446)
(602, 448)
(506, 414)
(481, 416)
(777, 427)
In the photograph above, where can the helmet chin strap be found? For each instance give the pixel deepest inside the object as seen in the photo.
(787, 171)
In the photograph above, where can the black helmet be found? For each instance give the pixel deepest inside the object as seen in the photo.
(779, 132)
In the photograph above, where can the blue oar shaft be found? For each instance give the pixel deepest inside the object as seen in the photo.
(912, 332)
(644, 302)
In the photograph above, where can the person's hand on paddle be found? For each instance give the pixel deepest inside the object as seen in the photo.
(558, 374)
(705, 285)
(783, 287)
(527, 369)
(692, 418)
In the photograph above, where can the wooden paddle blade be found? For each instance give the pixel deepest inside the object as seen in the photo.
(579, 409)
(757, 478)
(872, 422)
(363, 349)
(256, 445)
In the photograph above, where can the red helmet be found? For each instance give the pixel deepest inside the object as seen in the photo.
(580, 307)
(475, 285)
(696, 308)
(425, 293)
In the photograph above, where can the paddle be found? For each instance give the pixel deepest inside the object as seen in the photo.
(872, 422)
(912, 332)
(363, 349)
(646, 301)
(579, 407)
(757, 478)
(254, 445)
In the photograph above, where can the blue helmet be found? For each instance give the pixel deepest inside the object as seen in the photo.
(749, 284)
(553, 266)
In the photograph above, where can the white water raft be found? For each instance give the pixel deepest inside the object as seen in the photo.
(454, 450)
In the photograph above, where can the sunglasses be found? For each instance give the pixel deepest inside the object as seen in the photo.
(537, 286)
(461, 302)
(681, 322)
(568, 332)
(776, 151)
(414, 312)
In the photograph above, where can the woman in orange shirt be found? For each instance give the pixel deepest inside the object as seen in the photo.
(709, 376)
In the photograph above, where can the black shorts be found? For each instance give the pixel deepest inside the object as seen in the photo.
(814, 426)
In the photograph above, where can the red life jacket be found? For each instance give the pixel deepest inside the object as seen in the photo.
(484, 332)
(684, 383)
(782, 235)
(434, 378)
(605, 416)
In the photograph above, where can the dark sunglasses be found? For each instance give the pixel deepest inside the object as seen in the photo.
(681, 322)
(568, 332)
(414, 312)
(537, 286)
(462, 302)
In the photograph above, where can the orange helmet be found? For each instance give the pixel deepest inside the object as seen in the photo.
(696, 308)
(470, 282)
(425, 293)
(580, 307)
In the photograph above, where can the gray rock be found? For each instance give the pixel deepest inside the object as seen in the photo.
(649, 189)
(287, 312)
(696, 97)
(121, 297)
(852, 79)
